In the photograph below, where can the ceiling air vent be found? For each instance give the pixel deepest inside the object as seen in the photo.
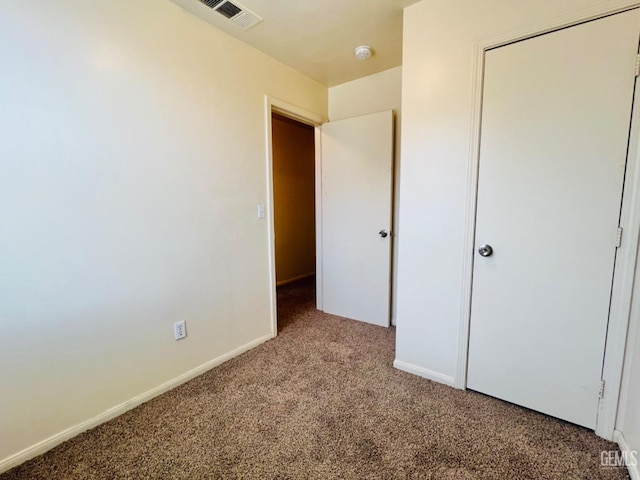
(238, 14)
(228, 9)
(212, 3)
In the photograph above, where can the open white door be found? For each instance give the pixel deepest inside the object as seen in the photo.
(555, 127)
(357, 173)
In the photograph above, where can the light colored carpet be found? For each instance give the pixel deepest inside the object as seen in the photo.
(323, 401)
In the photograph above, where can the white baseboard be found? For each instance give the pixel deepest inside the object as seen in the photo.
(423, 372)
(47, 444)
(634, 470)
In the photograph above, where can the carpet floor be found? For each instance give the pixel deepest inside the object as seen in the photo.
(323, 401)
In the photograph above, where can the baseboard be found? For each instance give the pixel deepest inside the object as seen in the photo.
(423, 372)
(55, 440)
(294, 279)
(634, 470)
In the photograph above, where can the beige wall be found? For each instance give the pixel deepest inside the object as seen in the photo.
(294, 199)
(371, 94)
(132, 161)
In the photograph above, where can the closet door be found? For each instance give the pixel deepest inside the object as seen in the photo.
(555, 127)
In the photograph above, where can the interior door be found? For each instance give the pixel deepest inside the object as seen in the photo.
(555, 127)
(357, 171)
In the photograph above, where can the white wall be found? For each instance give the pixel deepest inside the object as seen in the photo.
(437, 107)
(131, 162)
(628, 421)
(371, 94)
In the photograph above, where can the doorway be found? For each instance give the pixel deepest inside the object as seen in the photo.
(369, 166)
(294, 205)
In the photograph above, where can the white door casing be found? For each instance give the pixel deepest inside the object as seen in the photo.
(307, 117)
(357, 174)
(555, 125)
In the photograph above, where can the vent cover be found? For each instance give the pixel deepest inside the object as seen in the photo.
(212, 3)
(238, 14)
(228, 9)
(246, 19)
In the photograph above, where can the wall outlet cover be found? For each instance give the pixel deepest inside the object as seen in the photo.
(179, 330)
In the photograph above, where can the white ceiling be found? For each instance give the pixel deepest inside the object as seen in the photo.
(317, 37)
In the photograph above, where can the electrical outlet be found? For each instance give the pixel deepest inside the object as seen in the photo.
(179, 329)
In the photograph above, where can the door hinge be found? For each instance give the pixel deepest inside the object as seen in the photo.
(619, 237)
(638, 65)
(601, 391)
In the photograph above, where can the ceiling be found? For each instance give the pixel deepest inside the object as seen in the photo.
(318, 37)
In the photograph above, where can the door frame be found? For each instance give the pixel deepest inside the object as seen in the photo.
(623, 280)
(276, 105)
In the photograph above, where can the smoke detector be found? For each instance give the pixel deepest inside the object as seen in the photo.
(363, 52)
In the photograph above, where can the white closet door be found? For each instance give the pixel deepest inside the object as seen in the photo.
(555, 125)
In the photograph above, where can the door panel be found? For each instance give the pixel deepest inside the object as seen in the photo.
(357, 169)
(555, 125)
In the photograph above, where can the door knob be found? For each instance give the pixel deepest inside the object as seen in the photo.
(485, 250)
(383, 233)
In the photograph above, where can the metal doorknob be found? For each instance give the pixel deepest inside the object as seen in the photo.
(485, 250)
(383, 233)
